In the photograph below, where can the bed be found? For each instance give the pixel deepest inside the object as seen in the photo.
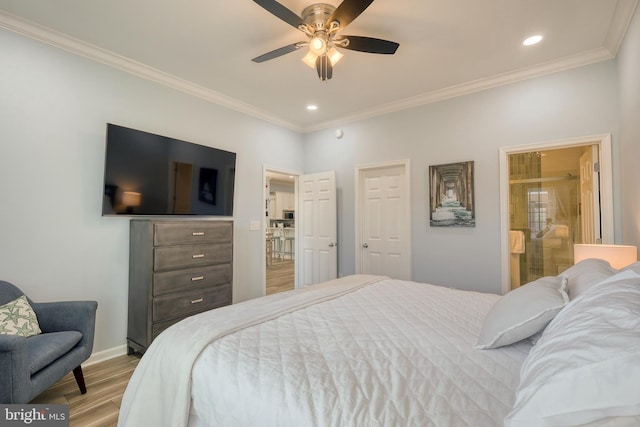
(373, 351)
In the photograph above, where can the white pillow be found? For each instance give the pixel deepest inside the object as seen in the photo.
(523, 312)
(635, 267)
(586, 365)
(587, 273)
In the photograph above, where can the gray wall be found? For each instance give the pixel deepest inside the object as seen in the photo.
(629, 89)
(573, 103)
(54, 107)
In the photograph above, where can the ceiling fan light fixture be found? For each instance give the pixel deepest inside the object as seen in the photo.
(334, 55)
(321, 23)
(318, 46)
(310, 59)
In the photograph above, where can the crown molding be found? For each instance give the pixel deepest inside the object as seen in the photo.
(620, 22)
(567, 63)
(95, 53)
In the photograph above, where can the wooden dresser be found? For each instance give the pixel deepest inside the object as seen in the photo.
(176, 269)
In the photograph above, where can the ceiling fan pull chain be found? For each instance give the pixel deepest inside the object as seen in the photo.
(324, 67)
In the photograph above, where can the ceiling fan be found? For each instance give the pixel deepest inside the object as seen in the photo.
(321, 23)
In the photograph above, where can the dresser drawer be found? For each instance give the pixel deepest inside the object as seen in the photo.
(171, 306)
(158, 327)
(185, 280)
(185, 256)
(191, 232)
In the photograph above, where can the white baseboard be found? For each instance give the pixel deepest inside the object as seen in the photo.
(104, 355)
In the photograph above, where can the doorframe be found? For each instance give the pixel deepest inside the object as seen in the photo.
(606, 189)
(359, 173)
(296, 174)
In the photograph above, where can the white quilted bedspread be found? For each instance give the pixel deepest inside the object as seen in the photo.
(392, 353)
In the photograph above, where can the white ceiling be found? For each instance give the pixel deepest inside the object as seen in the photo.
(447, 48)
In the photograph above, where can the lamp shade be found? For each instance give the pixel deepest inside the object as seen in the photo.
(131, 198)
(617, 255)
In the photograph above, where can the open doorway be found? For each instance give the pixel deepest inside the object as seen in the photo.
(557, 194)
(280, 235)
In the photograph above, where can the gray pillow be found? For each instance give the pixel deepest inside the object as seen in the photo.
(635, 267)
(587, 273)
(523, 312)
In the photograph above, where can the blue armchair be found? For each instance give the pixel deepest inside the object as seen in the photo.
(30, 365)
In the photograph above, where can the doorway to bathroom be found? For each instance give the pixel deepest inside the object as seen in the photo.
(557, 194)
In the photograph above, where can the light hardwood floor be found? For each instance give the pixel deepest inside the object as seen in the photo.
(280, 276)
(99, 407)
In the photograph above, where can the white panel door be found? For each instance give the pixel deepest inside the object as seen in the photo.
(384, 222)
(318, 253)
(590, 197)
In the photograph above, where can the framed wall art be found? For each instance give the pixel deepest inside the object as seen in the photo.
(451, 195)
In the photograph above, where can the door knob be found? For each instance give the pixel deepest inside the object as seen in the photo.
(331, 245)
(364, 245)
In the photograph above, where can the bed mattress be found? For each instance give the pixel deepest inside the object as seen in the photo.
(392, 353)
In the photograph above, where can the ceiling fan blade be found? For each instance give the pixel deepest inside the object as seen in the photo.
(369, 44)
(348, 11)
(278, 52)
(281, 12)
(324, 68)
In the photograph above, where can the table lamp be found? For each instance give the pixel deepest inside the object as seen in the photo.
(618, 256)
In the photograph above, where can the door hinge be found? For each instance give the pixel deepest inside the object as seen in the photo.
(596, 167)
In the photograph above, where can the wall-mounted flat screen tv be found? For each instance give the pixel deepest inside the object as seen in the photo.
(148, 174)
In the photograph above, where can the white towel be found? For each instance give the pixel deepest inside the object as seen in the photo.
(516, 242)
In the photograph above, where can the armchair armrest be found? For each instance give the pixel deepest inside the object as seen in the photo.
(14, 368)
(68, 316)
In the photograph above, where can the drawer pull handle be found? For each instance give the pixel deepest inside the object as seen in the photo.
(197, 256)
(196, 301)
(198, 233)
(195, 279)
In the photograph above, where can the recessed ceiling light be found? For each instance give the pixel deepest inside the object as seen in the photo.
(532, 40)
(312, 107)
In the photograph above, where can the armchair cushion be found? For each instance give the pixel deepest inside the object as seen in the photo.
(43, 349)
(18, 318)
